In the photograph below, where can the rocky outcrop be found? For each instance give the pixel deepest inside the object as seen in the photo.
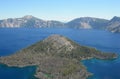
(114, 24)
(88, 23)
(56, 57)
(29, 22)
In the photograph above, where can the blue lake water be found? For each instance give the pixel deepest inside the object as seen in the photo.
(12, 40)
(17, 73)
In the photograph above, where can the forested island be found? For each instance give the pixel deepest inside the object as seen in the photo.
(56, 57)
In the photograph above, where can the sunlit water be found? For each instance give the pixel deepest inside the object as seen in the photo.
(12, 40)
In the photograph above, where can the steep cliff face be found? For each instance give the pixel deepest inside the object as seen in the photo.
(114, 24)
(29, 21)
(88, 23)
(57, 57)
(33, 22)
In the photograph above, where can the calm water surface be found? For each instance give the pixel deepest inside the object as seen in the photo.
(12, 40)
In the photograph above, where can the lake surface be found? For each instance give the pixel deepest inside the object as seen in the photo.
(12, 40)
(17, 73)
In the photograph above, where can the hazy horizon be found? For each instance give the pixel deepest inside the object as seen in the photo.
(61, 10)
(58, 20)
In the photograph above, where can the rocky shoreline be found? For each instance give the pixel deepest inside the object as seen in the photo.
(56, 57)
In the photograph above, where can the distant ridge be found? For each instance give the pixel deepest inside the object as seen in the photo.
(88, 23)
(114, 24)
(30, 21)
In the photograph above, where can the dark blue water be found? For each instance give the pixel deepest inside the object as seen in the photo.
(12, 40)
(17, 73)
(103, 69)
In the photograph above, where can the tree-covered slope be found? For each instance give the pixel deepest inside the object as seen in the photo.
(56, 57)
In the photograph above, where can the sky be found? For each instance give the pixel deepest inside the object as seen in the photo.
(62, 10)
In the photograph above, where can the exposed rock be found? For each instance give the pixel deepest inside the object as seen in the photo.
(88, 23)
(29, 22)
(114, 24)
(56, 57)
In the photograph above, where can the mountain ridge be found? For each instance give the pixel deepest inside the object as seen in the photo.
(30, 21)
(114, 24)
(87, 22)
